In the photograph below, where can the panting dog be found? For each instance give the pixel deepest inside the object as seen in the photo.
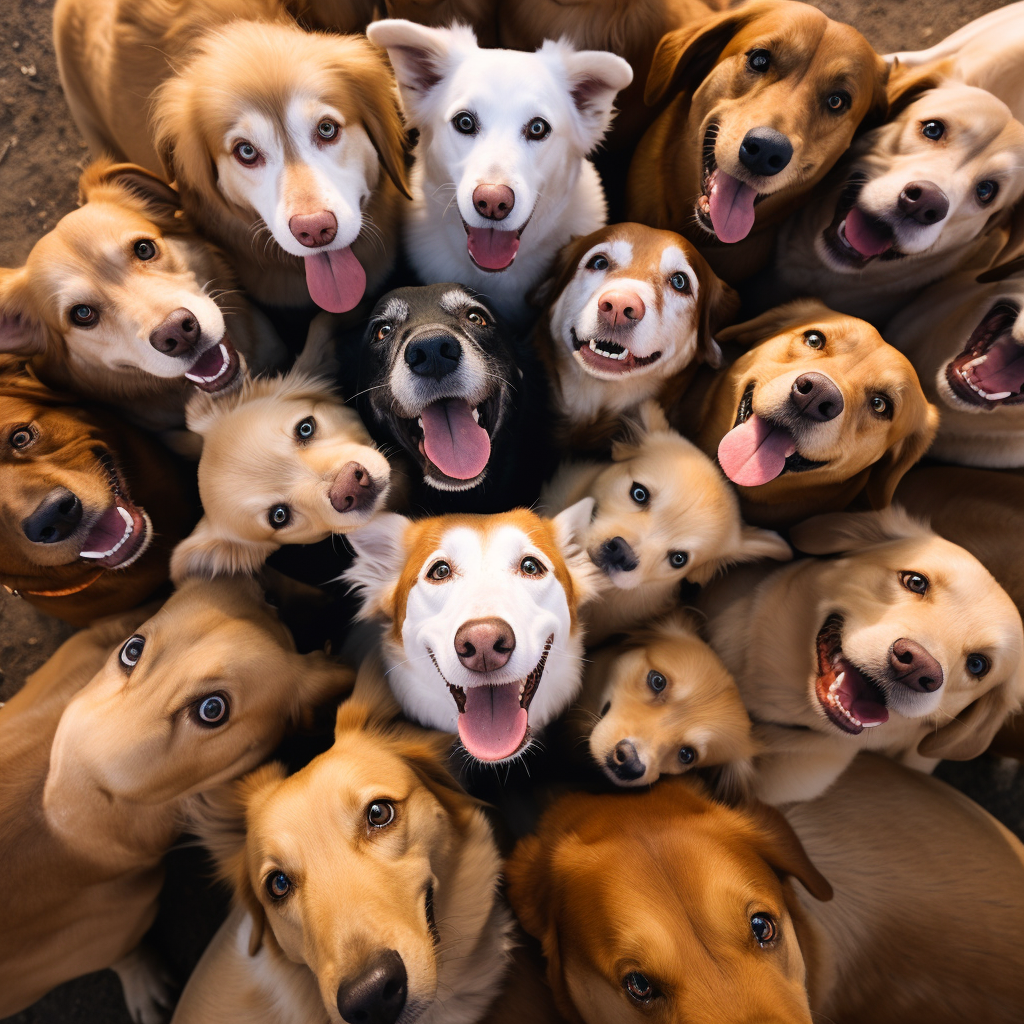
(501, 181)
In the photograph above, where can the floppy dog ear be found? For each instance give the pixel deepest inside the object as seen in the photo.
(754, 545)
(888, 471)
(318, 678)
(160, 201)
(773, 321)
(972, 731)
(839, 532)
(380, 558)
(371, 699)
(635, 426)
(595, 77)
(908, 84)
(21, 332)
(721, 303)
(780, 847)
(206, 552)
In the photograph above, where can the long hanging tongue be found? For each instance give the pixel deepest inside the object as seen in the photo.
(755, 452)
(453, 440)
(493, 725)
(732, 207)
(1001, 373)
(336, 280)
(492, 249)
(866, 236)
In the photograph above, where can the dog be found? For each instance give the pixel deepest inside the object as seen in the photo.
(482, 634)
(118, 303)
(663, 513)
(819, 411)
(631, 310)
(90, 506)
(391, 914)
(287, 146)
(351, 16)
(669, 905)
(904, 644)
(501, 157)
(103, 749)
(662, 703)
(766, 97)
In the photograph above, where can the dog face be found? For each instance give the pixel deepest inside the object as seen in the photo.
(698, 929)
(290, 142)
(484, 638)
(819, 399)
(507, 128)
(120, 284)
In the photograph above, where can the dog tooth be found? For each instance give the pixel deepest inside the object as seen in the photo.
(419, 422)
(974, 362)
(998, 396)
(476, 414)
(870, 725)
(125, 515)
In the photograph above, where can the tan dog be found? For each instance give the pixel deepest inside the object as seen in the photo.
(365, 888)
(668, 906)
(766, 98)
(820, 411)
(904, 645)
(662, 703)
(354, 15)
(286, 145)
(100, 752)
(663, 513)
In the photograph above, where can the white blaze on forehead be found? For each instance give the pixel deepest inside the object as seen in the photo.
(455, 300)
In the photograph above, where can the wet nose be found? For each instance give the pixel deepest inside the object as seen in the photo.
(56, 517)
(765, 152)
(494, 202)
(353, 488)
(485, 645)
(434, 356)
(617, 554)
(178, 335)
(378, 995)
(816, 396)
(618, 308)
(625, 763)
(314, 229)
(923, 201)
(913, 666)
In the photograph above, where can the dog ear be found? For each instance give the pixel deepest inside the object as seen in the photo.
(206, 552)
(773, 322)
(733, 782)
(905, 85)
(721, 303)
(972, 731)
(318, 679)
(754, 544)
(570, 528)
(840, 532)
(21, 332)
(380, 559)
(889, 470)
(878, 108)
(595, 78)
(160, 201)
(319, 357)
(780, 847)
(636, 426)
(371, 699)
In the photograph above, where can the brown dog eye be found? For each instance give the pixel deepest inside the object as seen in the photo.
(145, 248)
(380, 813)
(881, 406)
(476, 318)
(915, 582)
(638, 986)
(21, 438)
(84, 316)
(764, 928)
(687, 755)
(837, 102)
(279, 516)
(759, 61)
(814, 339)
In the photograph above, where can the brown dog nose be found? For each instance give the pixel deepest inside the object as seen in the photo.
(485, 645)
(353, 488)
(618, 308)
(178, 335)
(923, 201)
(314, 229)
(913, 666)
(816, 397)
(494, 202)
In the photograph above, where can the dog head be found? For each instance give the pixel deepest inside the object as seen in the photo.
(819, 399)
(777, 92)
(122, 283)
(664, 905)
(509, 129)
(291, 140)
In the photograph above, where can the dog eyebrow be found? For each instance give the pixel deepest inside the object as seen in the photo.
(454, 300)
(394, 309)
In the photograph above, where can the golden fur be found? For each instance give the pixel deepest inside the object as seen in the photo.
(355, 15)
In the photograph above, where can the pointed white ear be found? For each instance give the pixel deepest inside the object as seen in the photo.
(571, 527)
(207, 553)
(571, 524)
(380, 559)
(595, 77)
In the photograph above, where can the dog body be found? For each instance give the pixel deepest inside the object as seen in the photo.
(355, 15)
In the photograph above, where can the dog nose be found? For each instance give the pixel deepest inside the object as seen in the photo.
(923, 201)
(617, 554)
(314, 229)
(484, 645)
(816, 397)
(765, 151)
(178, 335)
(434, 356)
(625, 763)
(378, 995)
(618, 308)
(56, 517)
(913, 666)
(353, 488)
(494, 202)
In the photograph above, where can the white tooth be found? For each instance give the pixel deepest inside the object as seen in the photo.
(870, 725)
(126, 516)
(839, 681)
(593, 345)
(476, 415)
(974, 362)
(419, 422)
(998, 395)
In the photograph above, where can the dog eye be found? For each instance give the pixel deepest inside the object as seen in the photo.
(306, 429)
(759, 61)
(439, 571)
(978, 665)
(656, 681)
(22, 437)
(278, 885)
(383, 331)
(677, 559)
(881, 405)
(986, 191)
(538, 129)
(915, 582)
(84, 316)
(933, 130)
(145, 248)
(246, 154)
(531, 567)
(465, 123)
(639, 493)
(598, 262)
(838, 101)
(764, 928)
(328, 129)
(687, 755)
(380, 813)
(605, 709)
(279, 516)
(638, 986)
(814, 339)
(211, 711)
(474, 317)
(680, 282)
(132, 651)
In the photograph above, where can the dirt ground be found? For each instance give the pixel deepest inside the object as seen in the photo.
(41, 155)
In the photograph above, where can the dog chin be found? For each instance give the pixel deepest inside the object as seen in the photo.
(622, 579)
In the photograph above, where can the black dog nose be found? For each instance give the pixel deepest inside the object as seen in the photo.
(765, 151)
(923, 201)
(624, 762)
(56, 517)
(378, 995)
(433, 356)
(617, 554)
(178, 335)
(913, 666)
(816, 397)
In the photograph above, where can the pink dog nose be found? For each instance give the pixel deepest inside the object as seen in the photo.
(485, 645)
(618, 307)
(353, 488)
(494, 202)
(314, 229)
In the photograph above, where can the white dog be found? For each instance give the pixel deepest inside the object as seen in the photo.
(501, 159)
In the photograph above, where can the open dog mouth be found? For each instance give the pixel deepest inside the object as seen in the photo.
(854, 237)
(607, 356)
(756, 450)
(122, 533)
(851, 699)
(492, 249)
(990, 370)
(216, 368)
(725, 205)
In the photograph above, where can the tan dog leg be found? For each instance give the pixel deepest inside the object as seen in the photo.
(148, 987)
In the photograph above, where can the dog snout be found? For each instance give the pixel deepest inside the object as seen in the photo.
(314, 229)
(178, 335)
(624, 762)
(923, 201)
(494, 202)
(434, 356)
(485, 645)
(353, 489)
(618, 308)
(56, 517)
(378, 995)
(617, 554)
(816, 397)
(765, 152)
(913, 666)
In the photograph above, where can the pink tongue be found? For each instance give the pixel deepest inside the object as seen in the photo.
(492, 249)
(859, 704)
(867, 238)
(1003, 368)
(493, 725)
(732, 207)
(755, 452)
(109, 529)
(453, 440)
(336, 280)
